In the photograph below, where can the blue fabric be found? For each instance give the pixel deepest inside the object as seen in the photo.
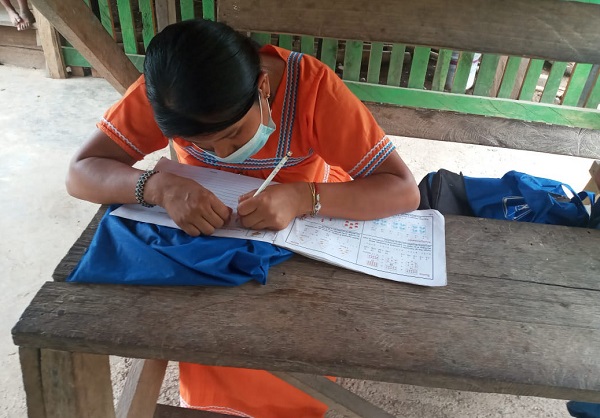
(522, 197)
(583, 409)
(130, 252)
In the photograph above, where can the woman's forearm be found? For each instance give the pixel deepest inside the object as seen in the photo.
(373, 197)
(102, 180)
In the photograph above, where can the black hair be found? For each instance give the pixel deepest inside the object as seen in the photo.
(201, 77)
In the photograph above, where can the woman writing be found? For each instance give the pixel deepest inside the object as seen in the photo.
(232, 106)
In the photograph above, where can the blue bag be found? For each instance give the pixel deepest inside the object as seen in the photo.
(130, 252)
(522, 197)
(583, 409)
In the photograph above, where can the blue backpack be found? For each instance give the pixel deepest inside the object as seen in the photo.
(515, 196)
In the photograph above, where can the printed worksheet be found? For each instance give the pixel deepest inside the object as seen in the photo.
(406, 248)
(409, 247)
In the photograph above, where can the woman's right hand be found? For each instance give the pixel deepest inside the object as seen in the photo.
(194, 208)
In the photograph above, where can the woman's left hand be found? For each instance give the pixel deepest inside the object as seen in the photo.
(275, 207)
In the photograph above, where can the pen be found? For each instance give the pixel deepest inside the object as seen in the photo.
(273, 173)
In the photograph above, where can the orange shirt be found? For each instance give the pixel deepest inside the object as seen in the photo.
(333, 137)
(331, 133)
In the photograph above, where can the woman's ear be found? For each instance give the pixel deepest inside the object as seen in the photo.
(263, 84)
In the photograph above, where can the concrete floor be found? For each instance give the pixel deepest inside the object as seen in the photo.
(43, 121)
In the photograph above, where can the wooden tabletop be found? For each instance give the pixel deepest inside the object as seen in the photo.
(520, 315)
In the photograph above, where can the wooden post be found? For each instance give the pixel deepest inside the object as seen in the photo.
(142, 388)
(50, 42)
(32, 381)
(77, 23)
(76, 385)
(166, 13)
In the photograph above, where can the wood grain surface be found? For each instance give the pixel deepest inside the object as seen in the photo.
(554, 29)
(489, 131)
(519, 315)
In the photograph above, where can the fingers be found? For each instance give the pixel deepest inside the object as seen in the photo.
(247, 205)
(246, 196)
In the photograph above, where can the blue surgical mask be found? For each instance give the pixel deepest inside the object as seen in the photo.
(253, 145)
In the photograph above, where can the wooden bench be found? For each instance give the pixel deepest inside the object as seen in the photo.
(520, 317)
(519, 314)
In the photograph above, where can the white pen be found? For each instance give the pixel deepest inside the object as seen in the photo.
(273, 173)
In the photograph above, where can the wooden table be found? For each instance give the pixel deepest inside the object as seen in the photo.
(520, 315)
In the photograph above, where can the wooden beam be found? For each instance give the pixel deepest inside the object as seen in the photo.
(484, 106)
(76, 385)
(555, 29)
(488, 131)
(50, 42)
(333, 395)
(32, 381)
(142, 387)
(77, 23)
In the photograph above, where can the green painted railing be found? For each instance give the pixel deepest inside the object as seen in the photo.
(405, 75)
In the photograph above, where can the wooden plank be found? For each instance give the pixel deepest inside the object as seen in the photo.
(329, 49)
(50, 41)
(522, 312)
(593, 99)
(375, 57)
(509, 78)
(208, 9)
(32, 381)
(441, 70)
(76, 22)
(141, 389)
(167, 411)
(285, 41)
(487, 72)
(161, 8)
(333, 395)
(486, 106)
(553, 83)
(352, 60)
(576, 83)
(418, 68)
(22, 57)
(594, 184)
(463, 69)
(532, 75)
(73, 57)
(17, 38)
(187, 9)
(561, 31)
(127, 26)
(172, 7)
(148, 22)
(307, 45)
(489, 131)
(106, 17)
(76, 385)
(261, 38)
(396, 63)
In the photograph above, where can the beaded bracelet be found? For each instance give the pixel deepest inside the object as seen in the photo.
(139, 188)
(316, 198)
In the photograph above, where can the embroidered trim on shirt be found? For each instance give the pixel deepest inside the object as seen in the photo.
(121, 136)
(249, 164)
(370, 162)
(326, 175)
(214, 408)
(288, 115)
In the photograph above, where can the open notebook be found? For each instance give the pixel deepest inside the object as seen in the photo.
(406, 248)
